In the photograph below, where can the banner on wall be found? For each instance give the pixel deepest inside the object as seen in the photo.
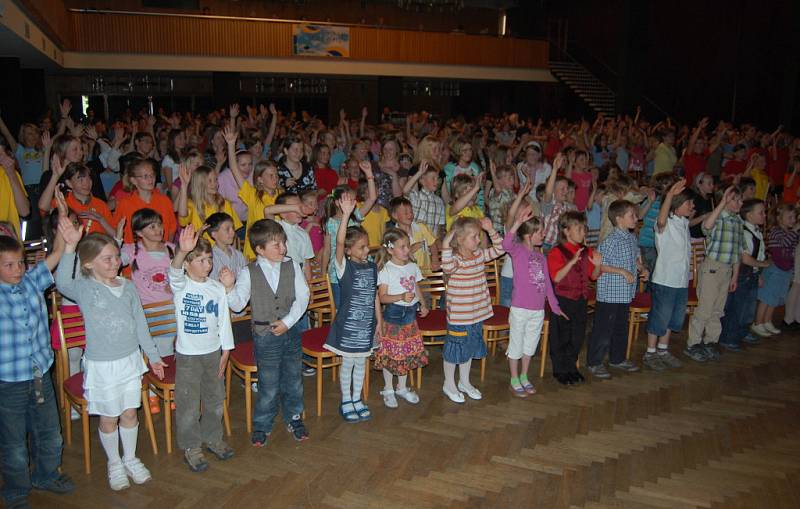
(321, 41)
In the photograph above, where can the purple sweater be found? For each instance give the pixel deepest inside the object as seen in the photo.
(531, 279)
(781, 245)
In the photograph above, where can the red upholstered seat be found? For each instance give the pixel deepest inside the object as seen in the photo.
(500, 317)
(74, 385)
(642, 301)
(313, 339)
(243, 354)
(435, 321)
(169, 372)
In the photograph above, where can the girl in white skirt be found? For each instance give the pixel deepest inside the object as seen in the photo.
(115, 330)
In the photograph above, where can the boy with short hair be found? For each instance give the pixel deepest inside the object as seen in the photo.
(424, 246)
(554, 203)
(220, 228)
(616, 288)
(26, 389)
(500, 194)
(278, 294)
(203, 344)
(298, 242)
(429, 208)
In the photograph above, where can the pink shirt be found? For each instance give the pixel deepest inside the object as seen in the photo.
(317, 237)
(230, 191)
(583, 188)
(150, 277)
(531, 280)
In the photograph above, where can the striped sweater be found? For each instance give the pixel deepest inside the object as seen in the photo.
(468, 299)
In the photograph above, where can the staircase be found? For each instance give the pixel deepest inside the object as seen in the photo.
(586, 85)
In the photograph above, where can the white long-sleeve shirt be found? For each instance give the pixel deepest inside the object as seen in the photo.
(240, 295)
(201, 313)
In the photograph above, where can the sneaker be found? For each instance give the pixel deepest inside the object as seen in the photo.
(388, 398)
(711, 352)
(408, 394)
(760, 330)
(696, 352)
(61, 485)
(653, 361)
(155, 405)
(18, 503)
(600, 372)
(626, 365)
(117, 478)
(730, 347)
(455, 397)
(750, 339)
(221, 450)
(470, 391)
(771, 328)
(668, 359)
(259, 438)
(297, 429)
(195, 459)
(309, 371)
(136, 470)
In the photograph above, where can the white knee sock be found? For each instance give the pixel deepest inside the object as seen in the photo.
(110, 443)
(346, 377)
(358, 376)
(128, 437)
(450, 376)
(401, 382)
(388, 378)
(463, 373)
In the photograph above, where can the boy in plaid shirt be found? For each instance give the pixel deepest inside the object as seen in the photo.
(26, 389)
(616, 288)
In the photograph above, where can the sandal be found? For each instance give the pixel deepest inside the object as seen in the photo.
(363, 413)
(351, 415)
(519, 392)
(527, 386)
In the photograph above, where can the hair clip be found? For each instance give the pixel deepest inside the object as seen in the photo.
(388, 245)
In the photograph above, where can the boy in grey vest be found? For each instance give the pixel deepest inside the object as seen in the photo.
(278, 294)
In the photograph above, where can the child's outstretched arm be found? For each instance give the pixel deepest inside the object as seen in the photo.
(182, 204)
(65, 282)
(411, 183)
(461, 203)
(347, 203)
(708, 224)
(558, 162)
(523, 214)
(449, 262)
(372, 192)
(496, 250)
(518, 199)
(663, 213)
(230, 138)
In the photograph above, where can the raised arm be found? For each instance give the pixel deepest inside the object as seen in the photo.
(347, 203)
(372, 193)
(558, 162)
(364, 112)
(515, 205)
(230, 139)
(12, 142)
(183, 194)
(462, 202)
(708, 223)
(663, 213)
(411, 183)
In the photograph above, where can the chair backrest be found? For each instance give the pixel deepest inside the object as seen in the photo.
(493, 280)
(433, 284)
(72, 333)
(316, 267)
(35, 251)
(697, 256)
(321, 308)
(592, 236)
(160, 318)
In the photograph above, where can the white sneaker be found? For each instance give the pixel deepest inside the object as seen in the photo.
(74, 415)
(455, 397)
(254, 386)
(117, 478)
(771, 328)
(408, 395)
(760, 330)
(388, 398)
(471, 391)
(137, 471)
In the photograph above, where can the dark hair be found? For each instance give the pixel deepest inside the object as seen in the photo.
(281, 200)
(532, 225)
(142, 135)
(10, 245)
(315, 153)
(140, 220)
(330, 203)
(215, 221)
(263, 231)
(746, 182)
(171, 150)
(398, 202)
(73, 169)
(619, 208)
(354, 233)
(679, 199)
(748, 207)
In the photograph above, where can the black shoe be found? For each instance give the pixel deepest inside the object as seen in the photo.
(562, 378)
(578, 377)
(571, 378)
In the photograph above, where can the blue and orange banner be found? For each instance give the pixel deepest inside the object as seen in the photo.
(321, 40)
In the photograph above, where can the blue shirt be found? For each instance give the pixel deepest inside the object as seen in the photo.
(647, 235)
(30, 164)
(619, 250)
(24, 331)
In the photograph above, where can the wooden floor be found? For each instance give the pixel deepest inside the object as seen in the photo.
(720, 435)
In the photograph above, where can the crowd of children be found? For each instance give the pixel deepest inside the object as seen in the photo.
(154, 211)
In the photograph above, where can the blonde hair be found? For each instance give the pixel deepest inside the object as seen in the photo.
(260, 168)
(460, 228)
(390, 238)
(424, 152)
(461, 185)
(90, 247)
(198, 192)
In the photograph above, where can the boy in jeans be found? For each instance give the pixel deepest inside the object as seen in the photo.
(26, 389)
(718, 275)
(616, 288)
(201, 351)
(278, 295)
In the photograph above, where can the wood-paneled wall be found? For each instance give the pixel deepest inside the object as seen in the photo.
(53, 18)
(124, 33)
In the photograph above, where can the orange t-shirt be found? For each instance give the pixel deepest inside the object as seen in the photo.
(127, 205)
(96, 205)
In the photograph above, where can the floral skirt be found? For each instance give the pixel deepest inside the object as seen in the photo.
(401, 349)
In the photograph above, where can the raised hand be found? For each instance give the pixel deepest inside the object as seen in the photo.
(677, 187)
(68, 231)
(121, 227)
(347, 203)
(188, 239)
(56, 166)
(342, 115)
(47, 141)
(524, 213)
(366, 168)
(364, 112)
(486, 224)
(234, 110)
(262, 110)
(558, 162)
(185, 174)
(577, 256)
(61, 203)
(229, 133)
(227, 278)
(65, 107)
(272, 109)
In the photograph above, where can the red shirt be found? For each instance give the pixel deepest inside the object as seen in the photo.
(694, 165)
(556, 260)
(353, 184)
(95, 205)
(552, 147)
(326, 179)
(733, 168)
(776, 167)
(158, 202)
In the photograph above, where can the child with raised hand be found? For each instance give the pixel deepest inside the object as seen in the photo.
(468, 301)
(219, 226)
(204, 342)
(25, 372)
(531, 286)
(740, 307)
(401, 349)
(333, 216)
(429, 208)
(781, 244)
(115, 331)
(424, 245)
(465, 192)
(500, 194)
(201, 198)
(358, 316)
(140, 180)
(554, 203)
(670, 281)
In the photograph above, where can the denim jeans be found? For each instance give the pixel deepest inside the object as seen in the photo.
(399, 315)
(279, 379)
(506, 287)
(740, 310)
(22, 418)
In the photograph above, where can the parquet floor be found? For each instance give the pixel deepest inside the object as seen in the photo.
(720, 435)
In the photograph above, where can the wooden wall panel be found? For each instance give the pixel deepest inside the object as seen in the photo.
(53, 18)
(123, 33)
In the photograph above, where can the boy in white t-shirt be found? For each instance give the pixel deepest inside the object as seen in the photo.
(204, 329)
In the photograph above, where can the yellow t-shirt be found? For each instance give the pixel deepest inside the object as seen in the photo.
(195, 220)
(255, 211)
(471, 211)
(762, 184)
(421, 233)
(8, 208)
(375, 224)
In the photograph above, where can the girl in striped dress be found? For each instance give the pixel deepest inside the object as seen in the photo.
(468, 301)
